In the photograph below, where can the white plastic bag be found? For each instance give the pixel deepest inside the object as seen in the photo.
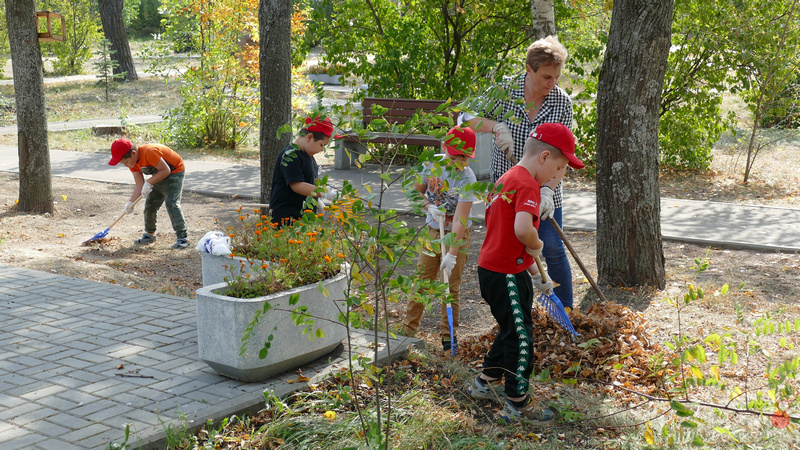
(216, 243)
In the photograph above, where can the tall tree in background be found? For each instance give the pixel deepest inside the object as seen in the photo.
(275, 61)
(35, 188)
(544, 18)
(629, 246)
(114, 29)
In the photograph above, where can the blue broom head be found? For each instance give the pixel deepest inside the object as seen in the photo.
(556, 310)
(453, 342)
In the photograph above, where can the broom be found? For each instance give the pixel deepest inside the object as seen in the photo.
(552, 304)
(446, 279)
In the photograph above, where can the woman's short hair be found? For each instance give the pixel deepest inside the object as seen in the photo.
(546, 51)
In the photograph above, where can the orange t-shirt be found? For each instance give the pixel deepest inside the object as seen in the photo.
(151, 154)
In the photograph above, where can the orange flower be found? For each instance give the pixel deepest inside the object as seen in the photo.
(263, 217)
(264, 266)
(328, 258)
(257, 232)
(283, 260)
(276, 235)
(241, 217)
(232, 235)
(340, 255)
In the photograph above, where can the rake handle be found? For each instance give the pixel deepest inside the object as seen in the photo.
(577, 259)
(124, 213)
(442, 248)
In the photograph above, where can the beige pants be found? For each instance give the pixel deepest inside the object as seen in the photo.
(429, 269)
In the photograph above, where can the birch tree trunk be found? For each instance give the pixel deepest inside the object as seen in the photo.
(114, 30)
(629, 245)
(275, 61)
(544, 18)
(35, 188)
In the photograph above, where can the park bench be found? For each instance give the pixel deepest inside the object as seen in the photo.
(400, 111)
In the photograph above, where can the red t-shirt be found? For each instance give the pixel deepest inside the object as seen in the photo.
(151, 154)
(501, 250)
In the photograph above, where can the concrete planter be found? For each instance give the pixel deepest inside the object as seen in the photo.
(221, 323)
(216, 268)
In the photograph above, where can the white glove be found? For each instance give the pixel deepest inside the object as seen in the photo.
(547, 205)
(128, 208)
(541, 286)
(503, 138)
(436, 213)
(321, 205)
(448, 262)
(331, 194)
(534, 252)
(146, 189)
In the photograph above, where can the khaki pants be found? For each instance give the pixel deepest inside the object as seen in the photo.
(429, 269)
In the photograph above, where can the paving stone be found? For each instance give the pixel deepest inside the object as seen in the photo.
(103, 439)
(10, 432)
(47, 428)
(44, 392)
(51, 444)
(79, 436)
(114, 411)
(26, 441)
(18, 410)
(59, 403)
(41, 412)
(141, 416)
(69, 421)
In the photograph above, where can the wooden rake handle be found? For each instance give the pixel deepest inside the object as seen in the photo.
(577, 259)
(124, 213)
(442, 248)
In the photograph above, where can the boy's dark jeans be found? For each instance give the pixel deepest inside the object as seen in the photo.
(510, 297)
(169, 190)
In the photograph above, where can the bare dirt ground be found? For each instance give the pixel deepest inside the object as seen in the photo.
(83, 208)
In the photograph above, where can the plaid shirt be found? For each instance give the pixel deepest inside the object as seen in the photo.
(508, 99)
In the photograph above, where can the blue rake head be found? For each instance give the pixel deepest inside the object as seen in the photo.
(556, 310)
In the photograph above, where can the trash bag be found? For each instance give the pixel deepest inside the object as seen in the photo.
(216, 243)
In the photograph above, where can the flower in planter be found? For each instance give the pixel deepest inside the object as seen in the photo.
(305, 252)
(325, 69)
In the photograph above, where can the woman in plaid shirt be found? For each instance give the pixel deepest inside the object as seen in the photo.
(512, 110)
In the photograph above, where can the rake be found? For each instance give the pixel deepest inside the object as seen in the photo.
(446, 279)
(552, 304)
(577, 259)
(104, 233)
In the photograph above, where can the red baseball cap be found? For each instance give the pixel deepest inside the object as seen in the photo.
(324, 126)
(119, 148)
(560, 137)
(460, 141)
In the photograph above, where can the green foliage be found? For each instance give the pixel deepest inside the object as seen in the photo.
(5, 50)
(82, 32)
(423, 48)
(142, 18)
(765, 41)
(691, 119)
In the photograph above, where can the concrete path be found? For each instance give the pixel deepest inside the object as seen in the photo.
(706, 223)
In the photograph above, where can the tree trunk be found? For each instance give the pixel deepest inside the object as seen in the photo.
(544, 18)
(35, 188)
(114, 29)
(275, 61)
(629, 246)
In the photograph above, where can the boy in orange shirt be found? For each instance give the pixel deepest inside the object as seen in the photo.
(165, 184)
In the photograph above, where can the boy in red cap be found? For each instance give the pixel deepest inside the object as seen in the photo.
(296, 170)
(165, 185)
(445, 197)
(507, 273)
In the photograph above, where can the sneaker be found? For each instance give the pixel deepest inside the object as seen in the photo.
(146, 238)
(491, 390)
(181, 243)
(447, 345)
(531, 414)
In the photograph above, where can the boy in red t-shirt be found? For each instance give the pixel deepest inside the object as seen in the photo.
(165, 185)
(507, 273)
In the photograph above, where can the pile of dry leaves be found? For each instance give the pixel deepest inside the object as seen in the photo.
(614, 346)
